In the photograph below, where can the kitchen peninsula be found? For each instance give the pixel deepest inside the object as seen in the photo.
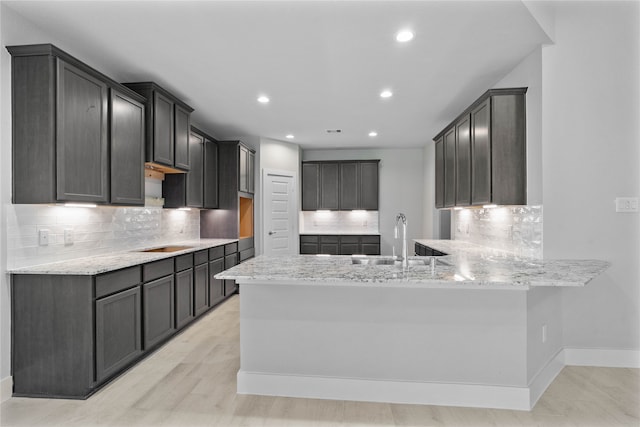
(479, 328)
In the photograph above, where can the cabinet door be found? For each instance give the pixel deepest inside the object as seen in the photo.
(349, 245)
(370, 245)
(81, 136)
(450, 168)
(181, 138)
(349, 185)
(127, 150)
(251, 173)
(463, 161)
(243, 175)
(184, 298)
(163, 129)
(439, 173)
(368, 186)
(309, 245)
(216, 286)
(310, 186)
(230, 285)
(200, 287)
(329, 245)
(210, 174)
(481, 154)
(195, 176)
(329, 186)
(158, 310)
(118, 332)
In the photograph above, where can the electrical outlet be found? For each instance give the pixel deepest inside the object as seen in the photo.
(544, 333)
(68, 236)
(43, 237)
(626, 204)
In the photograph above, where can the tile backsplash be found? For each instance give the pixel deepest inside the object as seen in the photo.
(95, 231)
(516, 229)
(339, 222)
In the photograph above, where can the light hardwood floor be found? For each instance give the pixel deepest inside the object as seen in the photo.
(191, 381)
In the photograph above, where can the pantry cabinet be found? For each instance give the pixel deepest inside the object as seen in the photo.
(67, 134)
(481, 156)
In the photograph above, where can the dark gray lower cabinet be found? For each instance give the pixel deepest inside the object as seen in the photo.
(339, 244)
(118, 340)
(184, 298)
(158, 308)
(423, 250)
(230, 286)
(216, 286)
(200, 288)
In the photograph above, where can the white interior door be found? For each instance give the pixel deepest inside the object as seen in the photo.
(280, 215)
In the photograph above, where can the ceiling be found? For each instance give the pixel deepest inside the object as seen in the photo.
(323, 64)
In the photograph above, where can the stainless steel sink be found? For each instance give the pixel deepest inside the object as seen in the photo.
(376, 260)
(167, 249)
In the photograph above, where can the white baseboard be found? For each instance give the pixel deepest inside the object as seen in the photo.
(6, 388)
(545, 377)
(608, 358)
(444, 394)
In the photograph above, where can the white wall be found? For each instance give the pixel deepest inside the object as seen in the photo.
(274, 155)
(401, 187)
(591, 153)
(431, 215)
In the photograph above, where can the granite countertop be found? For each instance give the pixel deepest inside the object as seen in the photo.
(467, 266)
(114, 261)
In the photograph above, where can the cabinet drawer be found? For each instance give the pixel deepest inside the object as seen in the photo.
(244, 244)
(157, 269)
(350, 239)
(309, 239)
(370, 239)
(200, 257)
(217, 252)
(184, 261)
(328, 239)
(116, 281)
(246, 254)
(230, 248)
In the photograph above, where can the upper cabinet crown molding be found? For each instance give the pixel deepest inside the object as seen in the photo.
(481, 155)
(63, 140)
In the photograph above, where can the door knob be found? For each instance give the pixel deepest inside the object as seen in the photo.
(272, 232)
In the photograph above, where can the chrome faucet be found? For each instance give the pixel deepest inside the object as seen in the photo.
(405, 257)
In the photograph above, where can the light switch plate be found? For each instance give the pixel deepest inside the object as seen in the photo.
(68, 236)
(626, 204)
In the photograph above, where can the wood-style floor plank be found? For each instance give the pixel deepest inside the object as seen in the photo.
(191, 381)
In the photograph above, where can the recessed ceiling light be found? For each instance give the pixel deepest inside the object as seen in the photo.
(386, 94)
(263, 99)
(289, 136)
(404, 36)
(373, 133)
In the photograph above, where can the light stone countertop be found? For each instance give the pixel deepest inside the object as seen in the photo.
(467, 266)
(114, 261)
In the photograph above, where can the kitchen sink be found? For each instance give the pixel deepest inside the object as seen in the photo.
(376, 260)
(167, 249)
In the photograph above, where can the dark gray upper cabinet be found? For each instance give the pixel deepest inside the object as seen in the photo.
(310, 186)
(182, 159)
(168, 127)
(439, 172)
(60, 121)
(481, 154)
(463, 161)
(246, 174)
(210, 174)
(449, 141)
(127, 149)
(197, 188)
(496, 163)
(349, 186)
(340, 185)
(195, 177)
